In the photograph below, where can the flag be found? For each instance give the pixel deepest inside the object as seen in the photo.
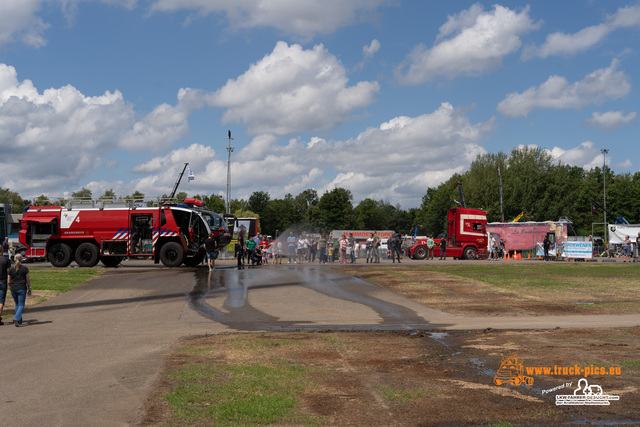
(190, 175)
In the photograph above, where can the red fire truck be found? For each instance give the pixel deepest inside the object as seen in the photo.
(90, 231)
(466, 236)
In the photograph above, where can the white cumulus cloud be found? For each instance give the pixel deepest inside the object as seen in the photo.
(64, 135)
(304, 19)
(557, 93)
(292, 90)
(470, 43)
(397, 160)
(610, 120)
(560, 43)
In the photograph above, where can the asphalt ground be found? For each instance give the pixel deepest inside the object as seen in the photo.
(91, 355)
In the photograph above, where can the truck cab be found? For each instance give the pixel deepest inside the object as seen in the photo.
(466, 236)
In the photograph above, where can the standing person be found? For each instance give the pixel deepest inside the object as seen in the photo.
(546, 244)
(637, 249)
(443, 248)
(305, 247)
(242, 247)
(210, 247)
(343, 249)
(5, 263)
(626, 247)
(352, 246)
(396, 248)
(300, 248)
(376, 248)
(291, 242)
(368, 245)
(280, 252)
(313, 249)
(5, 247)
(20, 284)
(430, 245)
(492, 247)
(322, 249)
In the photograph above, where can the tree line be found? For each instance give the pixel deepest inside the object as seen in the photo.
(533, 184)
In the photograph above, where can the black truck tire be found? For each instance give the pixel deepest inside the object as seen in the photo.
(420, 252)
(172, 254)
(60, 255)
(470, 252)
(87, 254)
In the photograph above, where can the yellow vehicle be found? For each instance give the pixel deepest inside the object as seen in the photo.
(511, 371)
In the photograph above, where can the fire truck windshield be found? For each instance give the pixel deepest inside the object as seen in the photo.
(214, 220)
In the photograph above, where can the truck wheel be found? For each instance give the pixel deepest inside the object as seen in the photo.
(420, 252)
(110, 261)
(60, 255)
(172, 254)
(470, 253)
(87, 255)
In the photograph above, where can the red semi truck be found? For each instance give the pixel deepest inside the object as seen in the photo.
(91, 231)
(466, 236)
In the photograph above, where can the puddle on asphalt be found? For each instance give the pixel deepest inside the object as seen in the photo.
(235, 285)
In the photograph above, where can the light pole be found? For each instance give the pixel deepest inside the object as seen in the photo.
(604, 183)
(229, 150)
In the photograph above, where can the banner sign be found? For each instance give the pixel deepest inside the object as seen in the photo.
(582, 250)
(617, 232)
(521, 236)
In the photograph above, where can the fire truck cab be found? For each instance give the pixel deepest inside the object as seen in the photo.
(88, 232)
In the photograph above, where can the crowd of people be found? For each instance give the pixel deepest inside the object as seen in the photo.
(313, 248)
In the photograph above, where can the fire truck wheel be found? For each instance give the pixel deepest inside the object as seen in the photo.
(111, 261)
(470, 253)
(60, 255)
(172, 254)
(420, 252)
(87, 255)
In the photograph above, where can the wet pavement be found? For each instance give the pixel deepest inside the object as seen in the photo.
(297, 298)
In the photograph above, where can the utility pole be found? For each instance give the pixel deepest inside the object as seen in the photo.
(604, 182)
(229, 150)
(500, 188)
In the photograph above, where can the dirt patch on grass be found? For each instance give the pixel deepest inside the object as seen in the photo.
(425, 378)
(458, 295)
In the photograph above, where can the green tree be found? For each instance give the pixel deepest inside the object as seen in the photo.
(83, 193)
(13, 198)
(108, 195)
(336, 210)
(42, 200)
(137, 196)
(258, 202)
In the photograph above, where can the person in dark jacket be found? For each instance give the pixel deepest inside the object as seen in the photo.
(20, 284)
(443, 248)
(5, 263)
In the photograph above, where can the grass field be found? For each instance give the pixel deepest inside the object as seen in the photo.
(524, 287)
(46, 283)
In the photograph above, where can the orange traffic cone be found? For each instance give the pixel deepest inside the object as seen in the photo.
(529, 255)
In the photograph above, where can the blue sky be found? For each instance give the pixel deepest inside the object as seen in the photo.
(382, 97)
